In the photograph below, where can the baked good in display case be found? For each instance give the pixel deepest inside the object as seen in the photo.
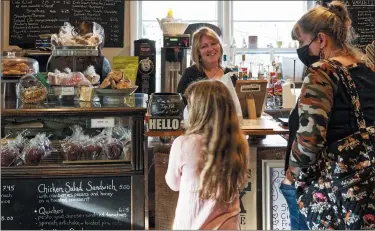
(30, 90)
(115, 80)
(13, 66)
(22, 151)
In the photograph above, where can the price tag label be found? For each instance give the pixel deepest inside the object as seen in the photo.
(67, 91)
(64, 91)
(103, 123)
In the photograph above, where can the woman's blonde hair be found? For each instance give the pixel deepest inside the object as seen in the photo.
(212, 114)
(332, 20)
(195, 54)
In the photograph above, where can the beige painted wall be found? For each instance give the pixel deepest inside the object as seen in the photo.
(108, 52)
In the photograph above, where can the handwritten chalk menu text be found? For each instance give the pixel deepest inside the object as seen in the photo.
(362, 13)
(280, 219)
(72, 203)
(30, 18)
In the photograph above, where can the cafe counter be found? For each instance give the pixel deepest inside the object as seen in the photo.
(267, 142)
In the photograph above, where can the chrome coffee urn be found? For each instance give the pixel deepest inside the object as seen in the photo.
(173, 60)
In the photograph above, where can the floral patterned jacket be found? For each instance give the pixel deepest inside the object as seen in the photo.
(333, 193)
(317, 105)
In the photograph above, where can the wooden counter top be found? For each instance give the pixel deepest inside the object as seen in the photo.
(259, 127)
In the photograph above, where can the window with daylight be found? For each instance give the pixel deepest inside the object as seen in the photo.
(188, 11)
(271, 21)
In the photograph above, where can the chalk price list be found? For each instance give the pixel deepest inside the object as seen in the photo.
(30, 18)
(83, 197)
(6, 200)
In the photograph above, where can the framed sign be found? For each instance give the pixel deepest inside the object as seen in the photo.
(275, 209)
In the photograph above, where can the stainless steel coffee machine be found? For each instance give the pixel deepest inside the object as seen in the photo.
(173, 60)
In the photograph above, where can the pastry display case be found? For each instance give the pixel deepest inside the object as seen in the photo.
(92, 151)
(13, 66)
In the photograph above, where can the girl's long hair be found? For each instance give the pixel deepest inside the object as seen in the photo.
(212, 114)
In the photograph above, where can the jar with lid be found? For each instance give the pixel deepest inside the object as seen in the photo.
(13, 66)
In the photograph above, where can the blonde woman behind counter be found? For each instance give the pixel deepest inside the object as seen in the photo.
(207, 55)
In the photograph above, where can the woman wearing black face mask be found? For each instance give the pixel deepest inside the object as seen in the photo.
(317, 193)
(305, 57)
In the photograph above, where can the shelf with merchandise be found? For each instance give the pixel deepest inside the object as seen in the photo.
(265, 50)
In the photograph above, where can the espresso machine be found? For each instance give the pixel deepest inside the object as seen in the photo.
(173, 60)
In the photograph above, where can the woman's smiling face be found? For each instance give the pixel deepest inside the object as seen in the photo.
(209, 50)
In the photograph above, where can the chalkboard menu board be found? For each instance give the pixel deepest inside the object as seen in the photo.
(362, 13)
(100, 203)
(30, 18)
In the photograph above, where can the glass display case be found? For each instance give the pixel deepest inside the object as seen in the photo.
(18, 66)
(84, 160)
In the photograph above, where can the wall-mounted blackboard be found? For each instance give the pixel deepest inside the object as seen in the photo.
(100, 203)
(30, 18)
(362, 13)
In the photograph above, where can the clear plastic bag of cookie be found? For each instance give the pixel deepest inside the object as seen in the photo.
(30, 90)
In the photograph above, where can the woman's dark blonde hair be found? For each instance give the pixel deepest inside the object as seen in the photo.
(195, 54)
(333, 21)
(212, 114)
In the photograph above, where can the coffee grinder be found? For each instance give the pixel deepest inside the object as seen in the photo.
(173, 60)
(146, 76)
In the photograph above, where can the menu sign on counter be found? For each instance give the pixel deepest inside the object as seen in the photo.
(69, 203)
(30, 18)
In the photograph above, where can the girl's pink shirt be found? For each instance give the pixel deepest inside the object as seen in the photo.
(182, 175)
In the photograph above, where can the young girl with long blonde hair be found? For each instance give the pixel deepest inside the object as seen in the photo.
(209, 164)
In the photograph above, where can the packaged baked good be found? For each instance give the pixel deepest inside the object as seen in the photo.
(112, 147)
(72, 147)
(124, 135)
(31, 90)
(17, 66)
(91, 75)
(92, 148)
(85, 93)
(67, 78)
(86, 34)
(36, 149)
(9, 153)
(20, 141)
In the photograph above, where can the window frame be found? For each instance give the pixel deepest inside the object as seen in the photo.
(224, 19)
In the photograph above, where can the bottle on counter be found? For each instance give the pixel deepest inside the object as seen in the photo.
(270, 94)
(243, 59)
(250, 72)
(236, 71)
(244, 45)
(233, 50)
(261, 72)
(225, 63)
(277, 87)
(244, 73)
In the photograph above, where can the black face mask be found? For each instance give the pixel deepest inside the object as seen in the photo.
(303, 55)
